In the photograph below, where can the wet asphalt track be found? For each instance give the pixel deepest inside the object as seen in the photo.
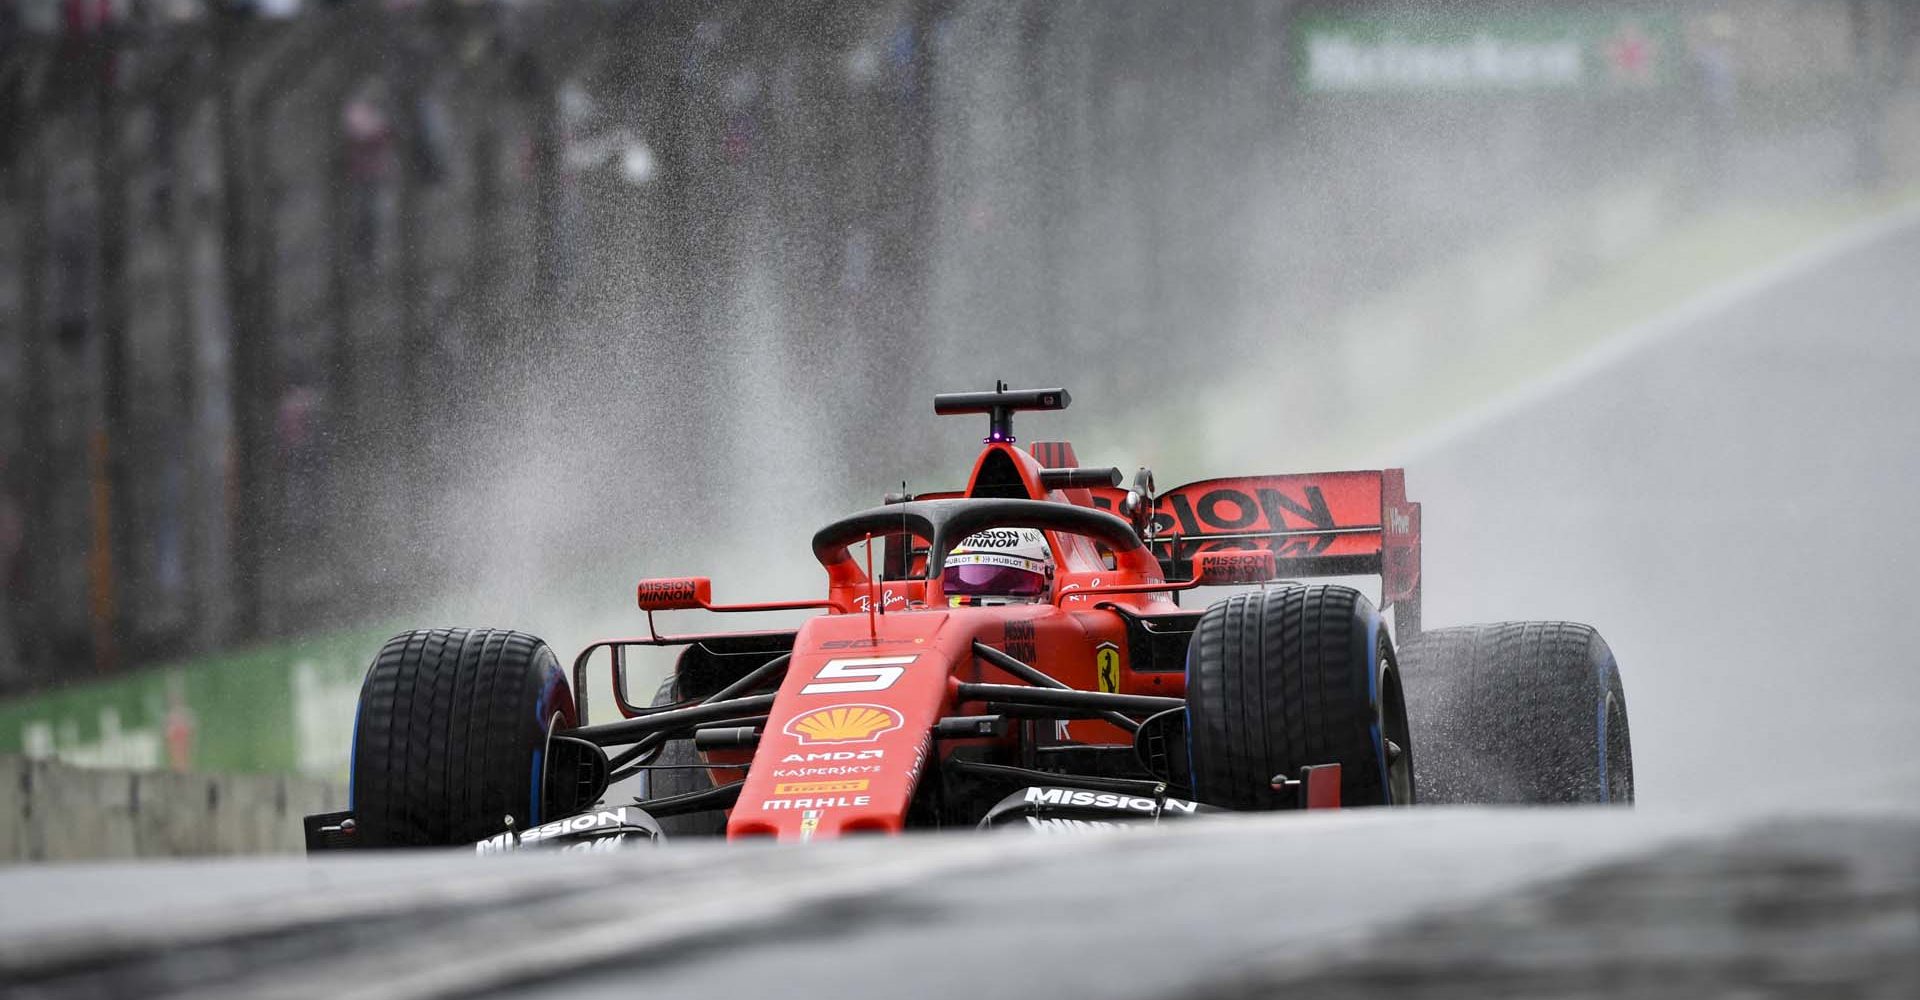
(1730, 496)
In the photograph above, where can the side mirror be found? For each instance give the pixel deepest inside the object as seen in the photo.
(1228, 567)
(675, 593)
(1139, 501)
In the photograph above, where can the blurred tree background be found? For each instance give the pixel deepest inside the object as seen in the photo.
(308, 310)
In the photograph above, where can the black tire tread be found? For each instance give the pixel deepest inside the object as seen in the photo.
(1506, 712)
(445, 747)
(679, 780)
(1279, 680)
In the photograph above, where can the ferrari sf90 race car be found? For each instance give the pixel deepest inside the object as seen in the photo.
(1015, 653)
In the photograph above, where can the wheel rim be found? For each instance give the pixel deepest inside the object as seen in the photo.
(1394, 732)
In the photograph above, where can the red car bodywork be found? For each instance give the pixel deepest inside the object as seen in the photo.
(851, 734)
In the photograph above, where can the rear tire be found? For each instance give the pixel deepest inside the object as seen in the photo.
(1520, 713)
(661, 782)
(450, 736)
(1290, 677)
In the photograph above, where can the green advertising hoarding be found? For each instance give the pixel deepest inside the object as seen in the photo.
(284, 709)
(1449, 49)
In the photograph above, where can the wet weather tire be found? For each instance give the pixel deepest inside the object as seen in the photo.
(1291, 677)
(681, 778)
(1518, 712)
(450, 736)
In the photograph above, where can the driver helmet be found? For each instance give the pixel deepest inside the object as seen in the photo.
(999, 566)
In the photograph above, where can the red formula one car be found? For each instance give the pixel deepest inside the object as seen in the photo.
(1012, 654)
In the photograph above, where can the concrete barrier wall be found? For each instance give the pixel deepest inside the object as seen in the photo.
(56, 812)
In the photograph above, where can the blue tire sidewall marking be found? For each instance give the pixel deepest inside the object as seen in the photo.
(1603, 673)
(1373, 701)
(554, 682)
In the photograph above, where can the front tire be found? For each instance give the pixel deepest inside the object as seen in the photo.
(450, 736)
(1290, 677)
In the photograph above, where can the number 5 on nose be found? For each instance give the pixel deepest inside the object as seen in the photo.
(871, 673)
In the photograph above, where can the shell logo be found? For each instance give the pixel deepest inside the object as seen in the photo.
(844, 724)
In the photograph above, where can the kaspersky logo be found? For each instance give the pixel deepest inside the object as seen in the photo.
(844, 724)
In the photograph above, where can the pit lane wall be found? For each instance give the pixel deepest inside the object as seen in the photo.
(217, 755)
(59, 812)
(284, 709)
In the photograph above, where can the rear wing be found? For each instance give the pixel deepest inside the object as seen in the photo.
(1315, 524)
